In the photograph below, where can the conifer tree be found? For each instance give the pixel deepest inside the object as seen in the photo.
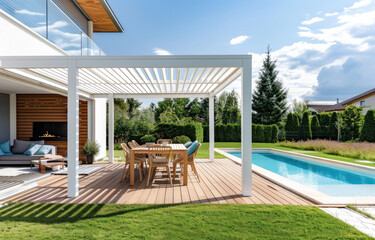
(269, 97)
(368, 129)
(315, 127)
(306, 126)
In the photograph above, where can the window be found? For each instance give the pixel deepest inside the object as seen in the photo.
(362, 103)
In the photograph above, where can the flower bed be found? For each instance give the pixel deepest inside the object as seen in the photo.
(363, 150)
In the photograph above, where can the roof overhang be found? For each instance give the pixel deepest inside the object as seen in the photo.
(99, 11)
(137, 76)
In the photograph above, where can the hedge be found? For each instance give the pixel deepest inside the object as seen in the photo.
(170, 130)
(306, 126)
(292, 127)
(368, 129)
(232, 133)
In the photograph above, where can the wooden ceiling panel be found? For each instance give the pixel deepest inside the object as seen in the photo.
(103, 18)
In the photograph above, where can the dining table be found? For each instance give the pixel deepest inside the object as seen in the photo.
(176, 149)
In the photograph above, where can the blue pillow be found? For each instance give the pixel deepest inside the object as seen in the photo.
(188, 144)
(193, 147)
(5, 148)
(1, 153)
(45, 149)
(32, 149)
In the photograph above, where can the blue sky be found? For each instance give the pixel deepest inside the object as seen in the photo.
(325, 49)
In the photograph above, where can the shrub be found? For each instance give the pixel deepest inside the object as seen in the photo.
(368, 129)
(267, 133)
(332, 126)
(306, 126)
(169, 130)
(259, 133)
(181, 139)
(148, 138)
(90, 148)
(292, 127)
(352, 121)
(274, 133)
(206, 133)
(315, 127)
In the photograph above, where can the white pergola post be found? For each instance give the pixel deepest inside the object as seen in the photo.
(212, 126)
(73, 129)
(111, 128)
(246, 128)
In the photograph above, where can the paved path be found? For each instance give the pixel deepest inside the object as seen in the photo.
(353, 218)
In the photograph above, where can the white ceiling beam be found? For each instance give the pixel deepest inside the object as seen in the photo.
(225, 83)
(155, 95)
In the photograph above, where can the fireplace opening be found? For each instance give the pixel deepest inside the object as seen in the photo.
(49, 131)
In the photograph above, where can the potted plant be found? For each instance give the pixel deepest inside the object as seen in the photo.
(90, 149)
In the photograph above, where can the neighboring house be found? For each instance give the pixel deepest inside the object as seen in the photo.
(365, 100)
(28, 108)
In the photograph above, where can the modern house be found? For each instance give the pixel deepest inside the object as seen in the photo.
(30, 104)
(365, 100)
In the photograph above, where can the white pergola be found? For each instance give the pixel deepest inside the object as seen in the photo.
(142, 77)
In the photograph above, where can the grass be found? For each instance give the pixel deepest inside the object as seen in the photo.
(204, 152)
(200, 221)
(360, 211)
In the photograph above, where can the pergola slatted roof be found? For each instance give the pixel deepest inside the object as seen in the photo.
(162, 75)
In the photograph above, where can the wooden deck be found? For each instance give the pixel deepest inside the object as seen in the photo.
(220, 183)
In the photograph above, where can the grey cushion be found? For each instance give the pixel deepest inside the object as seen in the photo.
(19, 157)
(20, 146)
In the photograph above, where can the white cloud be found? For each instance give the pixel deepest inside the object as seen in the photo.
(304, 28)
(331, 14)
(360, 4)
(312, 21)
(159, 51)
(238, 40)
(27, 12)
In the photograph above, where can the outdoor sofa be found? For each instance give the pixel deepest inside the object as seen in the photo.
(18, 155)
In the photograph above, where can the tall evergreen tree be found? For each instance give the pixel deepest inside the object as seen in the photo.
(315, 127)
(269, 98)
(368, 129)
(291, 127)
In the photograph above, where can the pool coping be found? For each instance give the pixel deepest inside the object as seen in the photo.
(300, 189)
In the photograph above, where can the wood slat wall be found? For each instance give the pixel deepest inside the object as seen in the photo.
(48, 108)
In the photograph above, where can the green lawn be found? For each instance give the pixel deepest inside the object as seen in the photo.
(204, 152)
(202, 221)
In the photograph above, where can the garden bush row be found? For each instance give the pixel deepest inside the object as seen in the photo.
(232, 133)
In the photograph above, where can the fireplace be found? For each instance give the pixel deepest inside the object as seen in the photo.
(49, 131)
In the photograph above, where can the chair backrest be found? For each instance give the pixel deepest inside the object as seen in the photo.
(132, 145)
(192, 156)
(125, 149)
(159, 152)
(160, 141)
(135, 143)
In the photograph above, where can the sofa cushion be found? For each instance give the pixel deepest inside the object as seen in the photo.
(45, 149)
(5, 148)
(33, 148)
(20, 146)
(20, 157)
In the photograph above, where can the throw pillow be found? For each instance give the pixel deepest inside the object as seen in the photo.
(45, 149)
(32, 149)
(20, 146)
(188, 144)
(1, 153)
(193, 147)
(5, 148)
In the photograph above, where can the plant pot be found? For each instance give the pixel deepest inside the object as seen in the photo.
(89, 159)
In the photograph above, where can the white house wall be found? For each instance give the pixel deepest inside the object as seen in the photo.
(369, 103)
(18, 40)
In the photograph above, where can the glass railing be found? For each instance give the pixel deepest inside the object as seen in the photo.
(48, 20)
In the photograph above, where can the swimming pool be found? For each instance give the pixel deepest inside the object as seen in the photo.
(329, 179)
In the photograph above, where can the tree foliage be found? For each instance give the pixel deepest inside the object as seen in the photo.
(352, 121)
(315, 128)
(269, 97)
(292, 127)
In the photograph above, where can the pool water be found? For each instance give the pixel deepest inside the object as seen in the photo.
(329, 179)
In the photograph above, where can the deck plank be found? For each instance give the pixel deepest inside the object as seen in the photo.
(220, 182)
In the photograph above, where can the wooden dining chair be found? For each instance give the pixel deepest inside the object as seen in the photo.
(159, 156)
(160, 141)
(139, 161)
(135, 143)
(191, 161)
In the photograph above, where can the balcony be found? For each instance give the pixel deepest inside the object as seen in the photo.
(47, 19)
